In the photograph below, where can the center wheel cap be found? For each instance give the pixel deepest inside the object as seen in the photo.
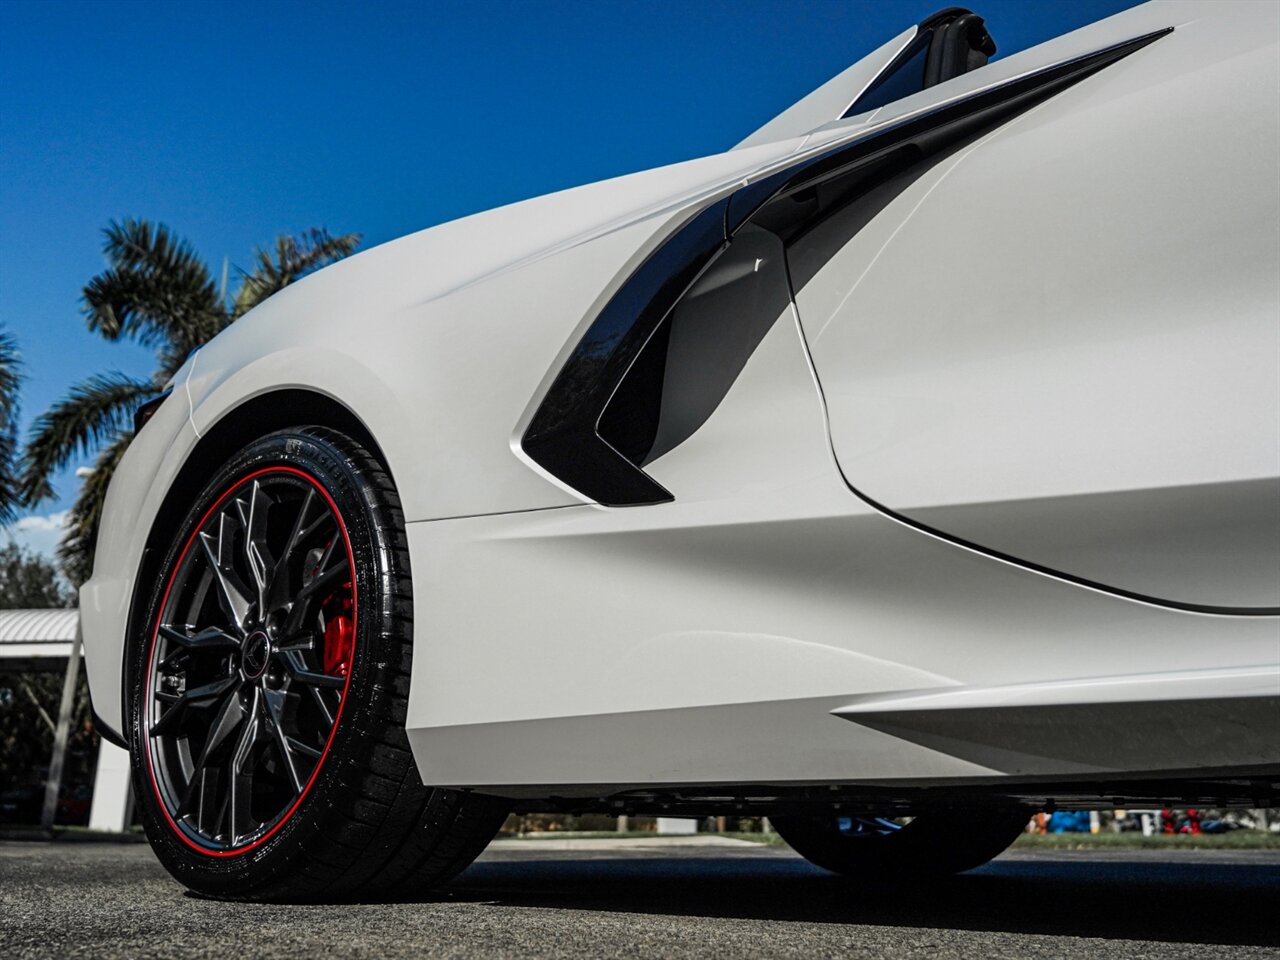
(257, 651)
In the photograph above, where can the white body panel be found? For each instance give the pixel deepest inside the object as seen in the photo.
(1089, 348)
(818, 639)
(783, 599)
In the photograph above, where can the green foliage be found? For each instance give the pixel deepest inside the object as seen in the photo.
(30, 582)
(76, 551)
(94, 412)
(29, 701)
(155, 290)
(158, 292)
(1235, 840)
(10, 379)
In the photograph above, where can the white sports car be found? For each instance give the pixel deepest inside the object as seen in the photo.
(909, 467)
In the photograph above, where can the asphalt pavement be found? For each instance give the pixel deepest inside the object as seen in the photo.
(537, 899)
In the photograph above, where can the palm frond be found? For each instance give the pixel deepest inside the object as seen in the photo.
(94, 412)
(291, 258)
(10, 379)
(78, 545)
(156, 289)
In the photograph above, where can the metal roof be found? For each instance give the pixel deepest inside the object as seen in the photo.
(38, 626)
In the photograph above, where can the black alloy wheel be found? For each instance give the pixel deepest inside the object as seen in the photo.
(250, 660)
(270, 689)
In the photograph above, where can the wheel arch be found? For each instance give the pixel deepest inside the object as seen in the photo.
(254, 418)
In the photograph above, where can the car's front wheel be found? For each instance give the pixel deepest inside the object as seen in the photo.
(270, 688)
(877, 848)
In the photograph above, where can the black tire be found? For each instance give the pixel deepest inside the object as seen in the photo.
(932, 845)
(363, 826)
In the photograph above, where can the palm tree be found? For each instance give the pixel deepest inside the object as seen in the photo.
(158, 292)
(9, 380)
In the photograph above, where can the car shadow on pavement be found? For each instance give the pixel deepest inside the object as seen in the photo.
(1177, 900)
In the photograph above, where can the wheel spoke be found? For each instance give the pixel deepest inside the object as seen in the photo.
(278, 595)
(257, 552)
(201, 696)
(325, 556)
(301, 642)
(297, 746)
(240, 781)
(318, 696)
(302, 603)
(209, 638)
(313, 679)
(231, 595)
(301, 527)
(324, 580)
(271, 712)
(229, 718)
(204, 785)
(299, 672)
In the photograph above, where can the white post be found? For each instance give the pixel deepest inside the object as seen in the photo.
(683, 825)
(110, 810)
(54, 781)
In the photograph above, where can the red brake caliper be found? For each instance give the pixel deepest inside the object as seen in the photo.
(339, 632)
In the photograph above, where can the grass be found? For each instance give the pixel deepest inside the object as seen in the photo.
(768, 839)
(583, 835)
(1235, 840)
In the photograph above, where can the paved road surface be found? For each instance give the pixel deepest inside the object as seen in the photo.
(523, 899)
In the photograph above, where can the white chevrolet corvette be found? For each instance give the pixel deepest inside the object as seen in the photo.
(909, 467)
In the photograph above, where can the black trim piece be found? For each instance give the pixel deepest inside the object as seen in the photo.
(563, 436)
(948, 43)
(943, 17)
(147, 410)
(959, 45)
(633, 417)
(101, 728)
(932, 130)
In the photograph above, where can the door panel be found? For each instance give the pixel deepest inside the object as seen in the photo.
(1062, 343)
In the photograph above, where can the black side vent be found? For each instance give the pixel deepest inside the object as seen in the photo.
(695, 356)
(562, 437)
(670, 343)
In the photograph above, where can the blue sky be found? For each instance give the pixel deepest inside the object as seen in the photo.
(234, 121)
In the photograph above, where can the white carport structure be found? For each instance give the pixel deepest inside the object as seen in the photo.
(47, 640)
